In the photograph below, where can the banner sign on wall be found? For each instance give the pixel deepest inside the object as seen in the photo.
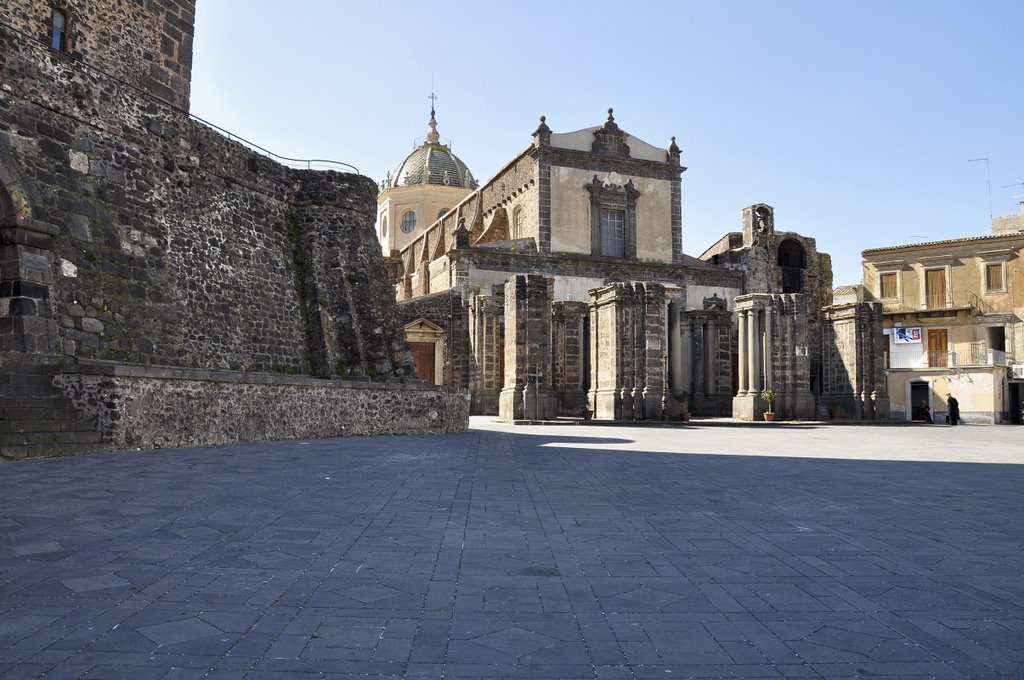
(906, 336)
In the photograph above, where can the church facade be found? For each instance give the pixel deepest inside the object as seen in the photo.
(560, 287)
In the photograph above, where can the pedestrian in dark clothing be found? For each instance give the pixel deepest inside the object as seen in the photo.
(954, 409)
(926, 413)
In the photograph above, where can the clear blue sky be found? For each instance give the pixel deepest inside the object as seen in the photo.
(855, 120)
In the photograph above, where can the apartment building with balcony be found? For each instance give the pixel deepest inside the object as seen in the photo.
(953, 319)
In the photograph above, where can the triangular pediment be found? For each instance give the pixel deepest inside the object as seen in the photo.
(421, 325)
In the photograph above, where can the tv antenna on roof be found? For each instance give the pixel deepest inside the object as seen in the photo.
(988, 176)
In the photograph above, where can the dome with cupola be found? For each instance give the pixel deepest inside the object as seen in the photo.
(432, 163)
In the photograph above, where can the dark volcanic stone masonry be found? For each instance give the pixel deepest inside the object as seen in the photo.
(134, 235)
(179, 247)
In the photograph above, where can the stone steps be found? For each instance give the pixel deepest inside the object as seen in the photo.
(36, 419)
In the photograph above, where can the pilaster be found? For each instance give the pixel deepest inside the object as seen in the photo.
(527, 392)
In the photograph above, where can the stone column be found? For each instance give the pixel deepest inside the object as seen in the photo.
(675, 349)
(487, 349)
(768, 345)
(743, 350)
(853, 372)
(686, 354)
(652, 351)
(626, 358)
(754, 351)
(527, 394)
(710, 356)
(696, 355)
(627, 364)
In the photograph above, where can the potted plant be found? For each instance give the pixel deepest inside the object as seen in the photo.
(683, 399)
(768, 395)
(588, 412)
(833, 411)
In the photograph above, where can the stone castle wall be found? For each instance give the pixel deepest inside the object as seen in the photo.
(179, 247)
(146, 408)
(150, 49)
(136, 237)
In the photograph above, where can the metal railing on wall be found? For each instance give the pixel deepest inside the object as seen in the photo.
(976, 354)
(928, 301)
(300, 163)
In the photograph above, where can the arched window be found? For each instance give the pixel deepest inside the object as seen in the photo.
(59, 31)
(792, 261)
(408, 221)
(384, 226)
(517, 222)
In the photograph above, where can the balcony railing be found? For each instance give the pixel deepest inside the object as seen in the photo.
(928, 302)
(974, 355)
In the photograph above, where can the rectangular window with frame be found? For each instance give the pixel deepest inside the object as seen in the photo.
(613, 231)
(887, 286)
(994, 277)
(935, 288)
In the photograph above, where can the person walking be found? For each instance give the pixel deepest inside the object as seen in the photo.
(954, 409)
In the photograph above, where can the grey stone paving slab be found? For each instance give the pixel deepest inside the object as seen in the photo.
(592, 552)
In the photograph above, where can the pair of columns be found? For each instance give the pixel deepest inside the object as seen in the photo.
(684, 333)
(755, 360)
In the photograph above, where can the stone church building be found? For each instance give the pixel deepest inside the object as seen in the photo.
(560, 286)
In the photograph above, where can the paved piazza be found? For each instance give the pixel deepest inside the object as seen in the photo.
(709, 550)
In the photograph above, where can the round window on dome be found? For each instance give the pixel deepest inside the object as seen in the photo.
(408, 221)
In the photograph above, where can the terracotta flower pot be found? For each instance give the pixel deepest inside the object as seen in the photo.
(769, 417)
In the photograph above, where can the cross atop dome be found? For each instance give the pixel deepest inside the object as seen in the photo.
(433, 137)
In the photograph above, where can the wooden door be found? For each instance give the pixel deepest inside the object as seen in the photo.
(423, 357)
(935, 288)
(938, 347)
